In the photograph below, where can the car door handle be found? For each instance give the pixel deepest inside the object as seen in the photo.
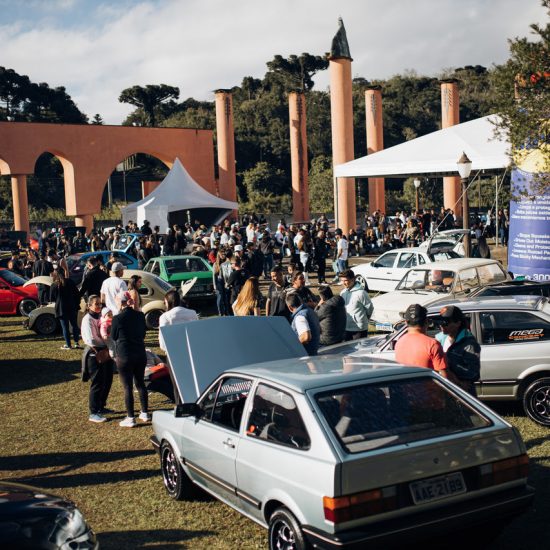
(229, 443)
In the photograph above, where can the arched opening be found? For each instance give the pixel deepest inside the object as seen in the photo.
(46, 190)
(6, 204)
(125, 184)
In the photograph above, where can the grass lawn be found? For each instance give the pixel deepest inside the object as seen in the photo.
(113, 474)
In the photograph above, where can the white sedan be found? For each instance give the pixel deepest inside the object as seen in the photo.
(433, 281)
(384, 273)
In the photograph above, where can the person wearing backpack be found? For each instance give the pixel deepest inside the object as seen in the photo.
(460, 347)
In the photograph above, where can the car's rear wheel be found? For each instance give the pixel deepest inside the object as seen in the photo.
(152, 319)
(536, 401)
(45, 324)
(177, 483)
(26, 305)
(285, 532)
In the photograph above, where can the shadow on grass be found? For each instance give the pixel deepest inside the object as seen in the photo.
(70, 461)
(48, 481)
(162, 539)
(35, 373)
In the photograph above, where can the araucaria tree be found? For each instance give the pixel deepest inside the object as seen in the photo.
(522, 93)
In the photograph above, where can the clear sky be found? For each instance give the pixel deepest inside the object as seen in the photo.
(97, 48)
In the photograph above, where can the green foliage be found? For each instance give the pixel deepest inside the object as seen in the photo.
(98, 119)
(522, 95)
(149, 99)
(295, 72)
(23, 100)
(321, 185)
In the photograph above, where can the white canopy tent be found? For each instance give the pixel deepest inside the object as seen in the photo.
(435, 154)
(177, 194)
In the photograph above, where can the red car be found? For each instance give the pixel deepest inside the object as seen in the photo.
(14, 297)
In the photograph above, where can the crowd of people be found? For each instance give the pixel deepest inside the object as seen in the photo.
(242, 255)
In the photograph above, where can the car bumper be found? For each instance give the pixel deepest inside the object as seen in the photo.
(498, 506)
(155, 442)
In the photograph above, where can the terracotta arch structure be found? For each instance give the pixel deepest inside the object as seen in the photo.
(90, 153)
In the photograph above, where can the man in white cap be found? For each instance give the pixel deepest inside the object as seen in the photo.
(112, 287)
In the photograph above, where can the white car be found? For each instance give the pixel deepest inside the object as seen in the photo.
(430, 282)
(384, 273)
(451, 239)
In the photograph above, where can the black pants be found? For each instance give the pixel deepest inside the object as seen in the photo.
(132, 370)
(101, 380)
(355, 335)
(321, 269)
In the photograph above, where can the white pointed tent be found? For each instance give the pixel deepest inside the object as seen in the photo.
(177, 194)
(435, 154)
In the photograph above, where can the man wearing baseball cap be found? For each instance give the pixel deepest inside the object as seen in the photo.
(416, 347)
(460, 346)
(113, 287)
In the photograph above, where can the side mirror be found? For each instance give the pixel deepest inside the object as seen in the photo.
(187, 409)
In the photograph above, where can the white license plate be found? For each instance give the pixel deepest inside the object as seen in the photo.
(437, 488)
(383, 327)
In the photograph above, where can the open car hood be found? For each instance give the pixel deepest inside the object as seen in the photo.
(40, 280)
(199, 351)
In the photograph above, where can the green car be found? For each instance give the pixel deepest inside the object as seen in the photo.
(177, 270)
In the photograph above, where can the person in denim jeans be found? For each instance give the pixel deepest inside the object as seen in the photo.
(67, 303)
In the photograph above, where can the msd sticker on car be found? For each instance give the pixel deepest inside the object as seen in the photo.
(531, 334)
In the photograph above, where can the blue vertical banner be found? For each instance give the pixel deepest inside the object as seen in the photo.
(529, 237)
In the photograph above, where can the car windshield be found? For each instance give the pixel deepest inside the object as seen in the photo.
(184, 265)
(162, 284)
(12, 278)
(71, 260)
(436, 280)
(373, 416)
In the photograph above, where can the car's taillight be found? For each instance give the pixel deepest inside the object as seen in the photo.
(503, 471)
(358, 505)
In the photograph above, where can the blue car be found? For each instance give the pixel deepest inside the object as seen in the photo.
(77, 262)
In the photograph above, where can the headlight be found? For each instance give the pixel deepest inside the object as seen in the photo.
(71, 531)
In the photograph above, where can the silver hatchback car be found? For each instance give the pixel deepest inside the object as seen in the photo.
(514, 334)
(334, 451)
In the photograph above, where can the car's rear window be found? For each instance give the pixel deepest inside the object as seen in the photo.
(12, 278)
(185, 265)
(374, 416)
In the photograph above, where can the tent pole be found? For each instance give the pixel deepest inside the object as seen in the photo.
(335, 187)
(496, 211)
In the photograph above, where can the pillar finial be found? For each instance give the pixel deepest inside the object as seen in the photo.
(340, 46)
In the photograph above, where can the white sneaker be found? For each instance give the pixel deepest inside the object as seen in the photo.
(128, 422)
(145, 417)
(97, 418)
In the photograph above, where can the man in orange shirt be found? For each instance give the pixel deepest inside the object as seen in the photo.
(416, 347)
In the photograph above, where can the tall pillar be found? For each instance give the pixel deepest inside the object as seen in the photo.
(20, 203)
(341, 113)
(84, 220)
(226, 145)
(298, 156)
(375, 142)
(449, 117)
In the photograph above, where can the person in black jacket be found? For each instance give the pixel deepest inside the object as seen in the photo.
(331, 312)
(67, 303)
(128, 334)
(42, 267)
(93, 279)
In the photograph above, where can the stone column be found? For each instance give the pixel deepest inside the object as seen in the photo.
(84, 220)
(298, 156)
(449, 117)
(20, 203)
(226, 145)
(375, 142)
(341, 113)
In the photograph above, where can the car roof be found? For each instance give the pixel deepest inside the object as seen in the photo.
(179, 257)
(454, 264)
(308, 373)
(521, 302)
